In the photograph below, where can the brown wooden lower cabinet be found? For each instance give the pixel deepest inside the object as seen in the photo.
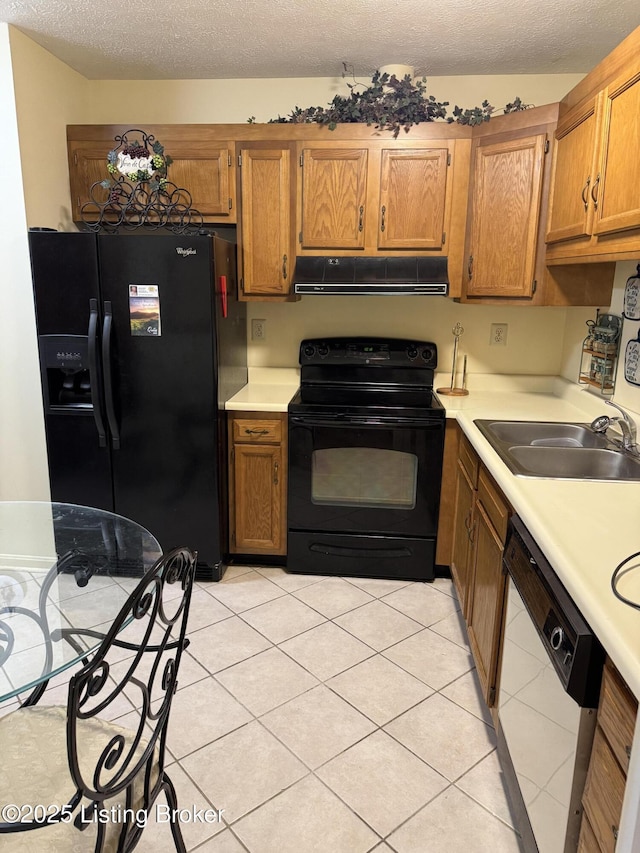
(587, 843)
(257, 483)
(463, 526)
(606, 778)
(479, 532)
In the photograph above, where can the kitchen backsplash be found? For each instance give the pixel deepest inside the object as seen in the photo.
(534, 342)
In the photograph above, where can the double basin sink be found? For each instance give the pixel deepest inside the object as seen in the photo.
(565, 451)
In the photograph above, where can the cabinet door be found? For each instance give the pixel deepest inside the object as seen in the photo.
(574, 173)
(463, 524)
(604, 793)
(87, 166)
(487, 603)
(266, 227)
(258, 499)
(413, 189)
(202, 169)
(334, 188)
(615, 191)
(505, 211)
(205, 171)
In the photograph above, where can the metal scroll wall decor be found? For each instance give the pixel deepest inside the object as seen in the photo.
(137, 192)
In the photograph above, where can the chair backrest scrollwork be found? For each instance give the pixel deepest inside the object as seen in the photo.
(135, 668)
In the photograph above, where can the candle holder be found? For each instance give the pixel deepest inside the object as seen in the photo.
(452, 390)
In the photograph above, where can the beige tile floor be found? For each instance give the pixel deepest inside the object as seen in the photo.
(331, 715)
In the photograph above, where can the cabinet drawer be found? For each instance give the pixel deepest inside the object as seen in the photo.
(469, 459)
(493, 503)
(603, 793)
(617, 714)
(256, 430)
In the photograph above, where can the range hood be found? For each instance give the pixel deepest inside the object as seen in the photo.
(371, 276)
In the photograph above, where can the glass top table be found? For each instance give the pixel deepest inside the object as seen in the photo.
(65, 570)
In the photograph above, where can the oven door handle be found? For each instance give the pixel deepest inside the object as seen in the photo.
(353, 420)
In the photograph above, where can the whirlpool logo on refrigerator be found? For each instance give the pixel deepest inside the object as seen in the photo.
(184, 253)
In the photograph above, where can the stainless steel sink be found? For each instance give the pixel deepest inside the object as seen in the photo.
(577, 463)
(565, 451)
(542, 433)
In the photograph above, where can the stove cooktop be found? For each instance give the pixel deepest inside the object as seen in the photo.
(385, 377)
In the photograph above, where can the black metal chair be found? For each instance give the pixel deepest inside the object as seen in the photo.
(72, 780)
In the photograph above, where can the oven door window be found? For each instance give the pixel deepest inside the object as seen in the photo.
(364, 477)
(378, 478)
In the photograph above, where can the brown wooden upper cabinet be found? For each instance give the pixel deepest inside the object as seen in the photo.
(205, 169)
(413, 191)
(504, 216)
(266, 235)
(372, 199)
(570, 209)
(334, 197)
(594, 203)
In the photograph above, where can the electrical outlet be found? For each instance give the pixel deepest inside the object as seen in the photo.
(498, 334)
(258, 330)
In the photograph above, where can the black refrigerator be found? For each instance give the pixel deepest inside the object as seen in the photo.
(141, 341)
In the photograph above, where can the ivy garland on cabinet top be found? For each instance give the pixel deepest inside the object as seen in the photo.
(389, 104)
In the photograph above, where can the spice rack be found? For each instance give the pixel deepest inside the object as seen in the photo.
(600, 350)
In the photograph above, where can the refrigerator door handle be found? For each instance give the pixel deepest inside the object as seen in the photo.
(93, 372)
(108, 377)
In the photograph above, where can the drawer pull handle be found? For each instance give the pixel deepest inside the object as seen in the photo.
(593, 192)
(257, 431)
(275, 474)
(467, 525)
(585, 189)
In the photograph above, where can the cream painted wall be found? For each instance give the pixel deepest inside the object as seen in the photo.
(219, 101)
(49, 95)
(23, 464)
(534, 339)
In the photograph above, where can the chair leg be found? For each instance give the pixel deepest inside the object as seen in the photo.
(172, 800)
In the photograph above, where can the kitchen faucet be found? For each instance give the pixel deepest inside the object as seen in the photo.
(626, 424)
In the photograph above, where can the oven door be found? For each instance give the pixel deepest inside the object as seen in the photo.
(364, 495)
(365, 475)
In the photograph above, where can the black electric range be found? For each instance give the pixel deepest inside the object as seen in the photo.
(366, 439)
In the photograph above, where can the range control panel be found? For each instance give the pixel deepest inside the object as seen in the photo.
(390, 352)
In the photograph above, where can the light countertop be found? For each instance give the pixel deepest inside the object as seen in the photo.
(269, 389)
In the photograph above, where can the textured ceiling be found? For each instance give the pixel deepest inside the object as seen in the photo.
(158, 39)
